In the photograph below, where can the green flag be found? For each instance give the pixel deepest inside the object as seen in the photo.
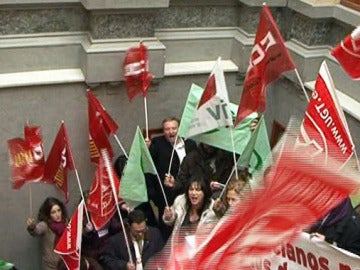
(221, 136)
(133, 186)
(257, 153)
(5, 265)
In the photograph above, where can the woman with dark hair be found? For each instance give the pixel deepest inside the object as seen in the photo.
(189, 208)
(52, 220)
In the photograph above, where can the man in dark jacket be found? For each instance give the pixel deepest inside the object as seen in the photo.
(161, 149)
(144, 242)
(341, 227)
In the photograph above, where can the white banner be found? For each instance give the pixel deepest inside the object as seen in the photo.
(313, 254)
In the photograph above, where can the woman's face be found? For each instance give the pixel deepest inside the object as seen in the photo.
(196, 195)
(232, 197)
(56, 213)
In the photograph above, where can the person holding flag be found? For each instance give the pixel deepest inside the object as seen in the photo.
(167, 151)
(212, 163)
(52, 219)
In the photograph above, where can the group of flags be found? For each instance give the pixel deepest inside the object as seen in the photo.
(27, 159)
(208, 117)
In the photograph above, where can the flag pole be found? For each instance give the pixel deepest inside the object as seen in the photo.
(82, 195)
(30, 201)
(106, 158)
(227, 181)
(120, 145)
(162, 188)
(76, 173)
(146, 118)
(233, 146)
(172, 153)
(302, 84)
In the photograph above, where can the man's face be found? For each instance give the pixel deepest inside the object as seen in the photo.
(170, 129)
(138, 230)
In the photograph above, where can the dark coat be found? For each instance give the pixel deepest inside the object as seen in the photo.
(344, 232)
(197, 163)
(161, 150)
(116, 254)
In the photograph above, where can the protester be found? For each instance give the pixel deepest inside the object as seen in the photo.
(233, 195)
(161, 150)
(188, 209)
(52, 219)
(145, 241)
(214, 164)
(341, 227)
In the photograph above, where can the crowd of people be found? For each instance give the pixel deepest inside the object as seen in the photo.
(193, 176)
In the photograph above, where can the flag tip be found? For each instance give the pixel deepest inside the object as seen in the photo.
(264, 4)
(62, 121)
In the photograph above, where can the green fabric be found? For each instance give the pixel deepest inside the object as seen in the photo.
(220, 137)
(5, 265)
(133, 186)
(257, 153)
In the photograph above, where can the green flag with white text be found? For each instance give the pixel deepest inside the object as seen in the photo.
(221, 136)
(133, 185)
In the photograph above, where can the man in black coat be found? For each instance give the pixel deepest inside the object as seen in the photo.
(144, 242)
(161, 149)
(341, 227)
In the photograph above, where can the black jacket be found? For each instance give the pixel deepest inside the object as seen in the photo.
(197, 163)
(161, 150)
(116, 254)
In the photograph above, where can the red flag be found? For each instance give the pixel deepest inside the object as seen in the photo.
(60, 159)
(27, 159)
(324, 127)
(136, 71)
(70, 241)
(348, 54)
(297, 193)
(101, 125)
(101, 202)
(269, 59)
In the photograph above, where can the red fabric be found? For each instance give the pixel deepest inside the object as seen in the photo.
(348, 55)
(298, 193)
(69, 244)
(136, 71)
(101, 202)
(27, 159)
(101, 125)
(324, 127)
(59, 161)
(97, 111)
(209, 92)
(268, 60)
